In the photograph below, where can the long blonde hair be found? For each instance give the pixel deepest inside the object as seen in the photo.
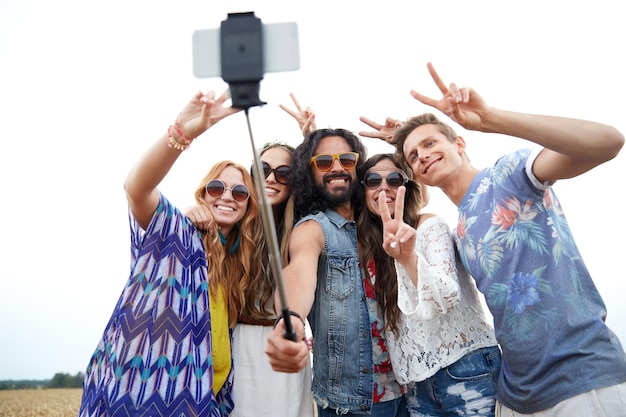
(235, 271)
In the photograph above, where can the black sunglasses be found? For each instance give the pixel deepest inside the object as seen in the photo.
(374, 180)
(324, 162)
(280, 172)
(217, 188)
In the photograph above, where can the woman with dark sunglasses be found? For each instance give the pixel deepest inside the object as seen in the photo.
(276, 161)
(258, 389)
(440, 343)
(167, 347)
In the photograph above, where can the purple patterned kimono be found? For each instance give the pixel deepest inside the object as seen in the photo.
(155, 356)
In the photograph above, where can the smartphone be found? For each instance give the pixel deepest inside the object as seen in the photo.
(281, 50)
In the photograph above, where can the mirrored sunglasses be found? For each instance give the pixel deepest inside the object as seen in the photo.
(217, 188)
(373, 180)
(324, 162)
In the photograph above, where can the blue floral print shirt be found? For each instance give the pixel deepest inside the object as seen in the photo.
(549, 318)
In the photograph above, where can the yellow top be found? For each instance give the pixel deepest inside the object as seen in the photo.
(220, 340)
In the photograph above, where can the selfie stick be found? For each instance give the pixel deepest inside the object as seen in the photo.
(241, 44)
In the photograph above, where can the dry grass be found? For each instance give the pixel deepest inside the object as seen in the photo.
(62, 402)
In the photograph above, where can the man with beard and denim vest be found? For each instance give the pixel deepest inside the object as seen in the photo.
(352, 373)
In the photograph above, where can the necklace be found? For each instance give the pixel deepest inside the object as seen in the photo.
(223, 240)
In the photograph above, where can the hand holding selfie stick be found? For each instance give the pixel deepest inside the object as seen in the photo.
(241, 44)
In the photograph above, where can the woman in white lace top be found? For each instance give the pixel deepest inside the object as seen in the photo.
(440, 342)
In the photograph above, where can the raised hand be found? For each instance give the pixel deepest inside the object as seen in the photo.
(305, 118)
(202, 112)
(463, 105)
(384, 132)
(399, 238)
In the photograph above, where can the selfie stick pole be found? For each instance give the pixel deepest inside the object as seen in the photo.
(242, 68)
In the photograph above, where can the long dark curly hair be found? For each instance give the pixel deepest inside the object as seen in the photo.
(307, 197)
(370, 237)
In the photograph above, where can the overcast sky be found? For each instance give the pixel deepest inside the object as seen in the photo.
(87, 86)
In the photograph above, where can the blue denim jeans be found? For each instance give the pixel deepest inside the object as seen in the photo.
(465, 388)
(393, 408)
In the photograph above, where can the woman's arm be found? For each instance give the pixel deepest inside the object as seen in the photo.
(202, 112)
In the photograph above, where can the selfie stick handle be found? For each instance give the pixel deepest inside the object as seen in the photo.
(242, 68)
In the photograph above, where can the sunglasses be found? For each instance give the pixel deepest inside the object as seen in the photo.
(280, 172)
(324, 162)
(217, 188)
(374, 180)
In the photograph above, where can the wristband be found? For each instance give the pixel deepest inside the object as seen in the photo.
(173, 143)
(291, 313)
(186, 142)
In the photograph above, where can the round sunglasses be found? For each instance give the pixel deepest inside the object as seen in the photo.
(324, 162)
(395, 179)
(280, 172)
(217, 188)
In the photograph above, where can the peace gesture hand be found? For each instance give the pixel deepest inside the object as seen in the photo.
(463, 105)
(305, 118)
(384, 132)
(398, 237)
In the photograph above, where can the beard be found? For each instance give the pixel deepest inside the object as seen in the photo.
(338, 197)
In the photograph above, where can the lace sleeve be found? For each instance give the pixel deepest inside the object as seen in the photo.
(437, 287)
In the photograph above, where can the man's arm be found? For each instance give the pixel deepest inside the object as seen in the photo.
(571, 146)
(305, 248)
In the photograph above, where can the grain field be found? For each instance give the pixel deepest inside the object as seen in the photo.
(61, 402)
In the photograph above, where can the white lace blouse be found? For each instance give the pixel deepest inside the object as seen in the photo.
(442, 317)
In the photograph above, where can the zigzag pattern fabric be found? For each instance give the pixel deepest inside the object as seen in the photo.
(155, 356)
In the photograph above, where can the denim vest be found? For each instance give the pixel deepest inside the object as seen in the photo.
(343, 374)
